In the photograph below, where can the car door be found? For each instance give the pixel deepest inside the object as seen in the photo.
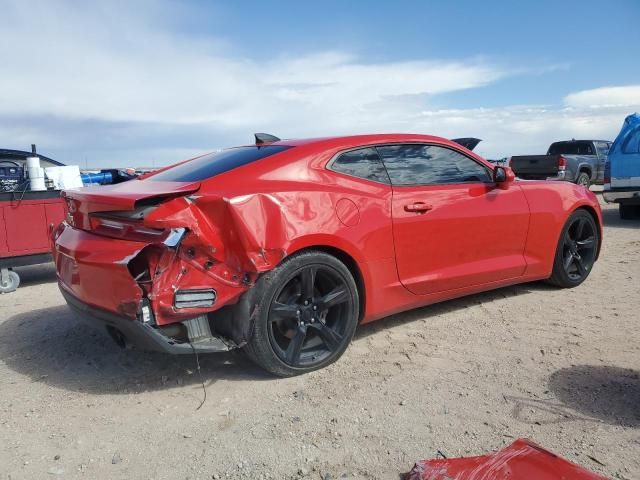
(452, 226)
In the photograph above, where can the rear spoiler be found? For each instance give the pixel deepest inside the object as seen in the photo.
(468, 142)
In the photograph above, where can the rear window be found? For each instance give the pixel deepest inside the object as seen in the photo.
(215, 163)
(571, 148)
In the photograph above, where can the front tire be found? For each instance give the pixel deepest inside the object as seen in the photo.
(576, 250)
(306, 312)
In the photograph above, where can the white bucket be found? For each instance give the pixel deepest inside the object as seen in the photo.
(33, 162)
(36, 174)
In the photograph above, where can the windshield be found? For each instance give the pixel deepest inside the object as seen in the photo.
(571, 148)
(210, 165)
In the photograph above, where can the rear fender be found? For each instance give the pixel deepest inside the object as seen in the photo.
(199, 261)
(262, 229)
(182, 213)
(249, 233)
(225, 246)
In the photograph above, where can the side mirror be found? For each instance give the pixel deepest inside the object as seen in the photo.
(503, 175)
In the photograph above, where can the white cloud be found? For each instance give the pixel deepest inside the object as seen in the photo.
(521, 130)
(627, 96)
(118, 73)
(122, 85)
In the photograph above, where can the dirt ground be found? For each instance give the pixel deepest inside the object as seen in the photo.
(561, 367)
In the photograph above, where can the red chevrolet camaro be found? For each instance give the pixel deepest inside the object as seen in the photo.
(283, 247)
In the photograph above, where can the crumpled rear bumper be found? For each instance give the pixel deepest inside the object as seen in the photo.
(138, 334)
(206, 247)
(95, 269)
(102, 272)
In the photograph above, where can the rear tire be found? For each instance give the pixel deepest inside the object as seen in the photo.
(306, 312)
(583, 179)
(576, 251)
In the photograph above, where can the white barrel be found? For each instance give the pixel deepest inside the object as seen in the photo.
(36, 174)
(33, 162)
(37, 184)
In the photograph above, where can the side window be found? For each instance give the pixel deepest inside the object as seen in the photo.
(362, 163)
(430, 165)
(631, 144)
(603, 148)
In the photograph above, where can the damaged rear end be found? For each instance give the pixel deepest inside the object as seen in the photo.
(151, 260)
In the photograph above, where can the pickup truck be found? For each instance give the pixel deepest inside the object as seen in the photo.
(622, 171)
(577, 161)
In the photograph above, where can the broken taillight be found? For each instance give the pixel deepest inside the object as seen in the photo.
(118, 227)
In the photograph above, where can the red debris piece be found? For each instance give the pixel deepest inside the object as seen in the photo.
(522, 460)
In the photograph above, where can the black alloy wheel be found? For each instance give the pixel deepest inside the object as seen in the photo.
(308, 318)
(577, 250)
(307, 314)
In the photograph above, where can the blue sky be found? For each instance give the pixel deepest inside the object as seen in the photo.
(151, 82)
(564, 33)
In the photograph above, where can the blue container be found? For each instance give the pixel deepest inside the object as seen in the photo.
(102, 178)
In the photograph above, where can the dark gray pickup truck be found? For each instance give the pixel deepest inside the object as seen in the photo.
(577, 161)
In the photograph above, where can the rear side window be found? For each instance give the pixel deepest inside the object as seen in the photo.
(430, 165)
(362, 163)
(215, 163)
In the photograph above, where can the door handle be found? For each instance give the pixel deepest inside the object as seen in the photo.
(418, 207)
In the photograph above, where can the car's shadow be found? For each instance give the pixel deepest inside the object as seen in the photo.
(450, 306)
(609, 394)
(52, 346)
(584, 393)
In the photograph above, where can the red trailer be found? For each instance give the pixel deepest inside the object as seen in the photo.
(26, 221)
